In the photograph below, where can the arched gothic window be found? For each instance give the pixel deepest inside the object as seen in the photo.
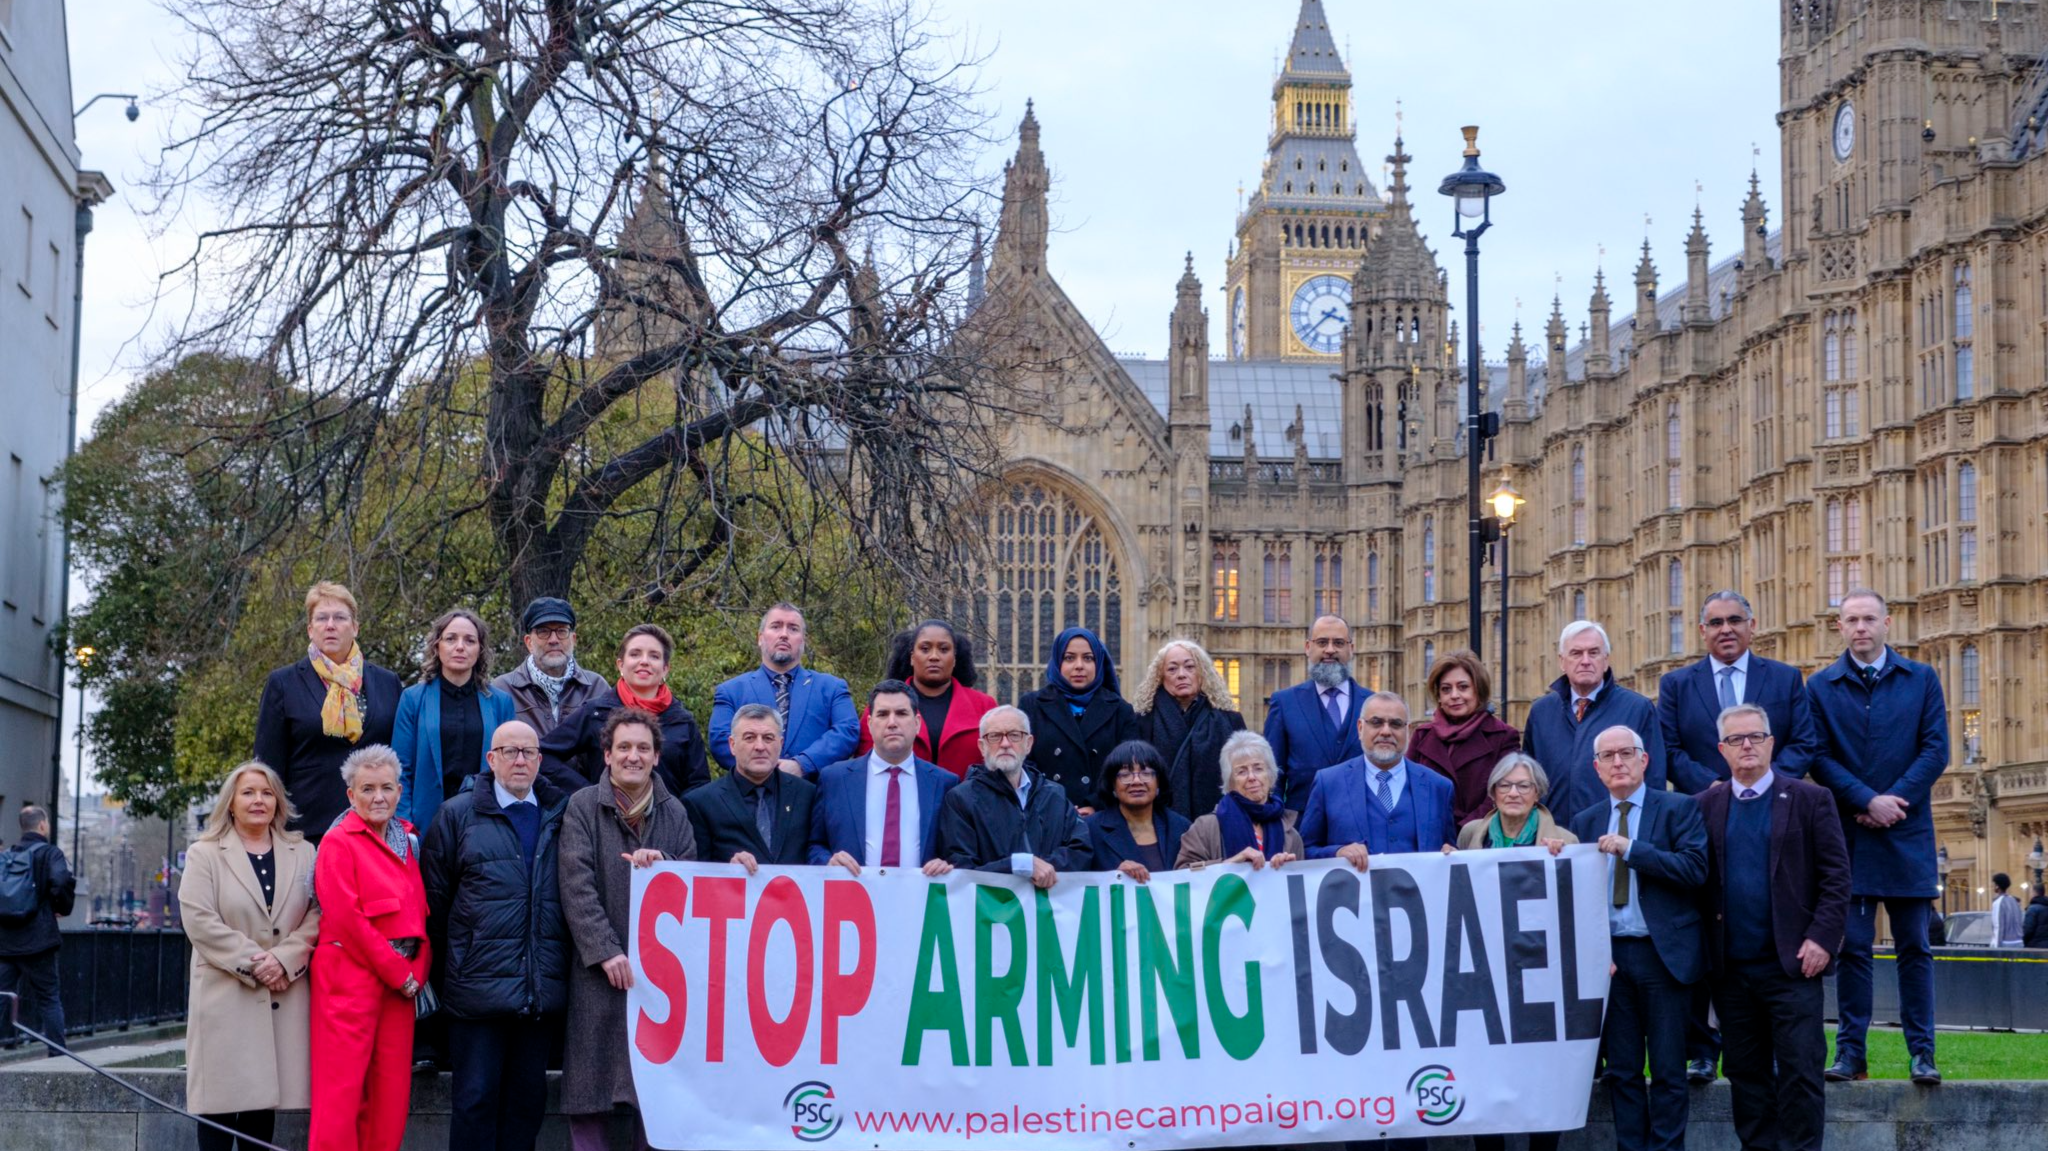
(1052, 566)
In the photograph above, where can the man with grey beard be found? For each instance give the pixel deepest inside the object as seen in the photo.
(548, 684)
(1006, 817)
(1314, 724)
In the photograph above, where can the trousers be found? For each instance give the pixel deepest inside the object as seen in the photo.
(1771, 1024)
(34, 978)
(362, 1056)
(1855, 975)
(499, 1087)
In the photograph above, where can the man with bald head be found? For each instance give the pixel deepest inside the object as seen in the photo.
(489, 866)
(1656, 848)
(1314, 724)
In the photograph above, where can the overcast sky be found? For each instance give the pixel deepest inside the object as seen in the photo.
(1596, 113)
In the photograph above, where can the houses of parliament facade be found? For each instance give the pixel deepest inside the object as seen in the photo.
(1856, 393)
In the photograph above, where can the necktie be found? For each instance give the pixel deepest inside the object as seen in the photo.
(1333, 703)
(1747, 794)
(764, 818)
(1387, 788)
(892, 819)
(1579, 707)
(1727, 676)
(1869, 675)
(1621, 865)
(782, 696)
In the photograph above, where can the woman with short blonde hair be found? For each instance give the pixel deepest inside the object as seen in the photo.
(246, 910)
(1185, 710)
(317, 710)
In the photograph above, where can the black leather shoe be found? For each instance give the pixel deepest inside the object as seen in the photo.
(1924, 1071)
(1700, 1072)
(1842, 1070)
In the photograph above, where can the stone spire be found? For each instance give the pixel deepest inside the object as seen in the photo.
(1188, 361)
(656, 300)
(1597, 359)
(977, 274)
(1646, 297)
(1020, 239)
(1516, 406)
(1555, 334)
(1398, 287)
(1698, 308)
(1756, 252)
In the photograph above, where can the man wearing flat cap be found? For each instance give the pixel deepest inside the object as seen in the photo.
(548, 684)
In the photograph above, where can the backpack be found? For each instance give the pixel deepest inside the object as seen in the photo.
(21, 889)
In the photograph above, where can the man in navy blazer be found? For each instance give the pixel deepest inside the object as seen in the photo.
(859, 799)
(1656, 846)
(1314, 724)
(819, 724)
(1381, 801)
(1689, 699)
(1883, 726)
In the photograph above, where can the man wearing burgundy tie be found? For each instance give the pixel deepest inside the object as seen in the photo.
(882, 810)
(1582, 703)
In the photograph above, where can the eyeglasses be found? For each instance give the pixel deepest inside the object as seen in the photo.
(1514, 786)
(333, 618)
(1137, 772)
(1616, 755)
(1383, 722)
(1005, 737)
(552, 632)
(517, 753)
(1746, 739)
(1718, 621)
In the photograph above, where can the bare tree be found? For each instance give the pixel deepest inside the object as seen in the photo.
(662, 258)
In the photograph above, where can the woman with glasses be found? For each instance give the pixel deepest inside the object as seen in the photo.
(1515, 788)
(1134, 829)
(1249, 825)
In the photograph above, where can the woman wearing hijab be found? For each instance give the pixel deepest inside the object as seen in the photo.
(1249, 825)
(1185, 711)
(1078, 717)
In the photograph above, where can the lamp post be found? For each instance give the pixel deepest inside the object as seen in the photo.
(1472, 189)
(83, 654)
(1941, 866)
(2035, 860)
(1505, 501)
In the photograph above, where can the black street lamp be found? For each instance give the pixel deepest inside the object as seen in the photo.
(1473, 188)
(1505, 501)
(83, 654)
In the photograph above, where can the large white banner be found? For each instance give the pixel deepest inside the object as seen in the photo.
(1431, 994)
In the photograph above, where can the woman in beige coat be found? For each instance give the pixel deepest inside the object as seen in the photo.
(1249, 825)
(246, 900)
(1516, 787)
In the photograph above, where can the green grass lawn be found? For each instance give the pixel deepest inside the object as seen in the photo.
(1960, 1055)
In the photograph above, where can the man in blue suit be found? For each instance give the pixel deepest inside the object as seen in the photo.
(882, 810)
(819, 724)
(1381, 801)
(1656, 846)
(1314, 724)
(1883, 728)
(1689, 701)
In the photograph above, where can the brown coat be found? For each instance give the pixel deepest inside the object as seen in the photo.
(597, 897)
(1203, 842)
(1473, 834)
(246, 1048)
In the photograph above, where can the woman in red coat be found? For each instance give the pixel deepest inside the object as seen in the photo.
(939, 663)
(371, 962)
(1463, 740)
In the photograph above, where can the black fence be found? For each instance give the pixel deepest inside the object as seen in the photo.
(114, 979)
(2004, 988)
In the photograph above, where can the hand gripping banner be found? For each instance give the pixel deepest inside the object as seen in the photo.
(1432, 994)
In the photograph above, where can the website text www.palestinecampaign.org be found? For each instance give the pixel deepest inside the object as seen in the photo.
(1080, 1120)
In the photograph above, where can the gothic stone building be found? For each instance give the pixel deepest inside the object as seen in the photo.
(1858, 396)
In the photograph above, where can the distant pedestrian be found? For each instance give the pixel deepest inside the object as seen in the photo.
(2005, 914)
(2034, 926)
(36, 888)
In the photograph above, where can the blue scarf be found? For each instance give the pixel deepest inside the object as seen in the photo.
(1105, 672)
(1236, 815)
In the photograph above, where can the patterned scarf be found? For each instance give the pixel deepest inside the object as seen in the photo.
(634, 811)
(341, 714)
(552, 686)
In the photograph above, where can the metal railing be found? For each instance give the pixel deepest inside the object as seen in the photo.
(114, 979)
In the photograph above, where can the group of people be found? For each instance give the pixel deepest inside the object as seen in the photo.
(475, 839)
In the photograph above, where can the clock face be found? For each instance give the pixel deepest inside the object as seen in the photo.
(1845, 131)
(1237, 323)
(1320, 311)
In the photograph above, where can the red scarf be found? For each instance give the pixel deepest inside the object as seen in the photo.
(656, 704)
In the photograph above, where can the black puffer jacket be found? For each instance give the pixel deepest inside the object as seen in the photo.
(500, 945)
(981, 824)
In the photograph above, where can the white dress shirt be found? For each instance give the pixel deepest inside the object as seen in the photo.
(1762, 786)
(911, 854)
(507, 799)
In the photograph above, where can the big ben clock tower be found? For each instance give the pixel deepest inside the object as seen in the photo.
(1287, 288)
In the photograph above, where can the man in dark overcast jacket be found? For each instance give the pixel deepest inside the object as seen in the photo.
(1006, 816)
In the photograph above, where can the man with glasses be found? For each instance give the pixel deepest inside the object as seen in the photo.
(1006, 817)
(1381, 801)
(549, 684)
(489, 863)
(1314, 724)
(1778, 879)
(1656, 848)
(1689, 700)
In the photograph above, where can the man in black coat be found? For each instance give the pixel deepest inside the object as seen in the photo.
(28, 944)
(755, 814)
(1778, 901)
(1657, 849)
(501, 947)
(1006, 816)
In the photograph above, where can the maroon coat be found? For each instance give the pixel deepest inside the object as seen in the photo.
(1808, 869)
(1466, 759)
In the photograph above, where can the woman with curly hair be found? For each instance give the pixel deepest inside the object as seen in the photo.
(938, 662)
(1186, 712)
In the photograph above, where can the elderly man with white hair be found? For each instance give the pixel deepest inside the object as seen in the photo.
(1006, 816)
(1581, 704)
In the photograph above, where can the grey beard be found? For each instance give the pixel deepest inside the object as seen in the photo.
(1372, 754)
(561, 660)
(1328, 674)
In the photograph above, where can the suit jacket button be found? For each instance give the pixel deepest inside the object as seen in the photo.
(1057, 750)
(273, 1005)
(1084, 780)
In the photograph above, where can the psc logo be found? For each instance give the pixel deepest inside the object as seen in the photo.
(811, 1114)
(1435, 1089)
